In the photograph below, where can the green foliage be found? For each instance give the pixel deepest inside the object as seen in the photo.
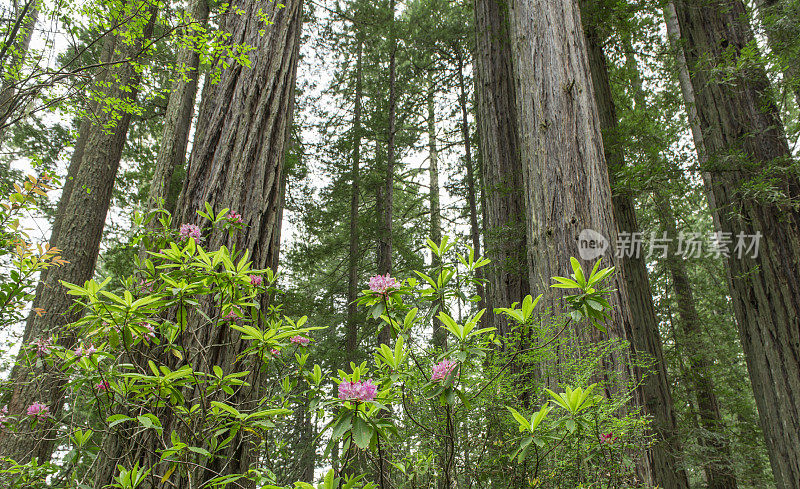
(22, 259)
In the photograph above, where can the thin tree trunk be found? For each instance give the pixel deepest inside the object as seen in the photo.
(687, 91)
(439, 333)
(719, 474)
(351, 340)
(178, 119)
(475, 230)
(496, 108)
(19, 37)
(237, 162)
(78, 237)
(745, 143)
(664, 455)
(387, 194)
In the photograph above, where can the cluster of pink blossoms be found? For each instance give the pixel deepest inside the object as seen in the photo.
(85, 351)
(190, 231)
(608, 438)
(38, 410)
(442, 369)
(275, 351)
(256, 280)
(358, 391)
(146, 286)
(382, 284)
(42, 346)
(102, 386)
(235, 217)
(300, 340)
(4, 414)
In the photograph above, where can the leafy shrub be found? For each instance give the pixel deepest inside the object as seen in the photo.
(138, 378)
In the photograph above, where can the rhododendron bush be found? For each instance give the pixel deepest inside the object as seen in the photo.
(150, 404)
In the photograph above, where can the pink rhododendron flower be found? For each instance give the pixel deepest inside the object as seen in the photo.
(38, 410)
(256, 280)
(42, 346)
(382, 283)
(235, 217)
(4, 414)
(275, 351)
(300, 340)
(231, 316)
(608, 438)
(146, 286)
(358, 391)
(84, 351)
(102, 386)
(442, 369)
(151, 331)
(190, 231)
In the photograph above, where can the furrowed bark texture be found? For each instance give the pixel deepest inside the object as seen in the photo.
(237, 162)
(566, 179)
(505, 239)
(180, 108)
(78, 236)
(72, 172)
(719, 472)
(664, 455)
(687, 92)
(237, 159)
(744, 140)
(562, 150)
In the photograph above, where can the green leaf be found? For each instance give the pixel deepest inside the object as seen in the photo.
(362, 433)
(523, 423)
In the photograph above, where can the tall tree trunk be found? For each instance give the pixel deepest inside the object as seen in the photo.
(439, 333)
(475, 230)
(719, 472)
(505, 239)
(178, 119)
(237, 162)
(745, 144)
(351, 335)
(561, 147)
(665, 454)
(687, 91)
(386, 195)
(78, 236)
(20, 35)
(76, 158)
(566, 177)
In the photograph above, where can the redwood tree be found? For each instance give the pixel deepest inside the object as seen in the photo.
(567, 189)
(77, 231)
(755, 189)
(505, 238)
(237, 160)
(664, 455)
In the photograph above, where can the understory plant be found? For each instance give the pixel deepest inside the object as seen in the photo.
(151, 406)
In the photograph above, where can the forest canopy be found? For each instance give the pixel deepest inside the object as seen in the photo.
(375, 244)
